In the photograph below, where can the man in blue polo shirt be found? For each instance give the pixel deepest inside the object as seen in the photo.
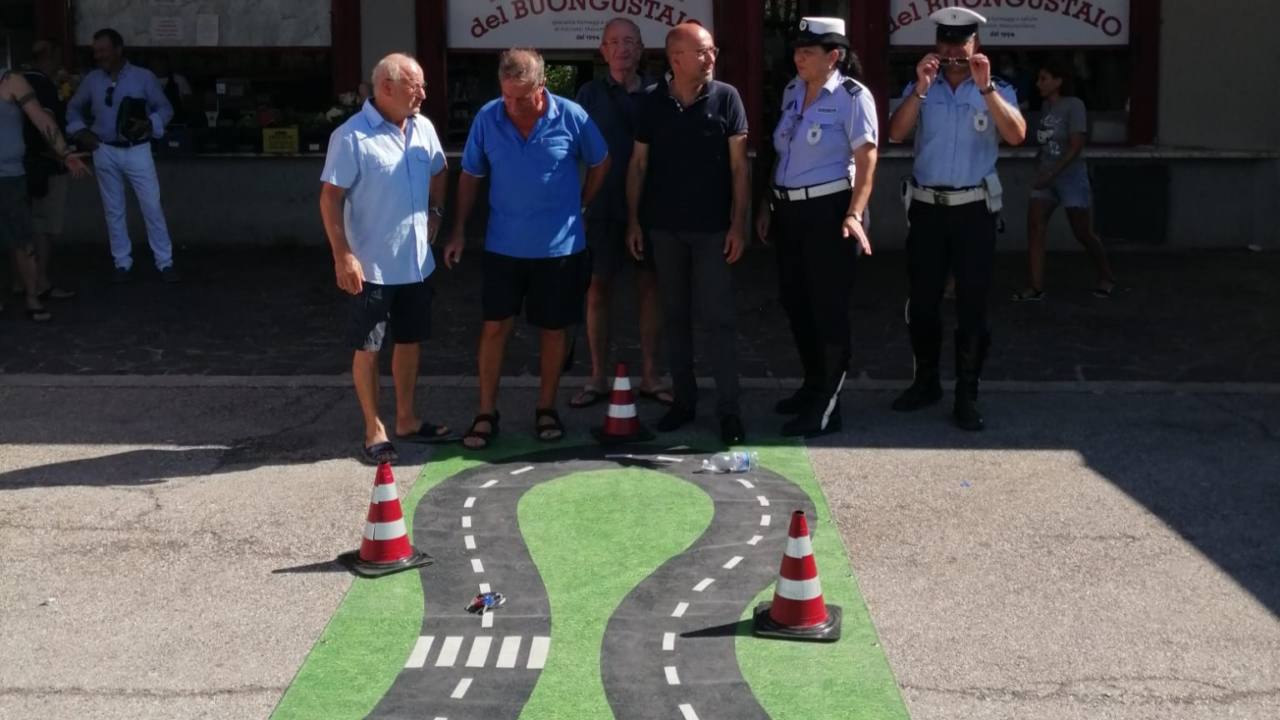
(381, 194)
(528, 143)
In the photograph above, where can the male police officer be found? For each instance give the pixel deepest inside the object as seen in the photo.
(952, 201)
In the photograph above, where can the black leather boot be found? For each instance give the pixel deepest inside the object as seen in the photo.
(971, 352)
(799, 401)
(926, 387)
(822, 416)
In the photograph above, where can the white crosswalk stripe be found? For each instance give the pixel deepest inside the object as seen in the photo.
(481, 655)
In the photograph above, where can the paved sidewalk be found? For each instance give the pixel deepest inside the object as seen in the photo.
(1189, 316)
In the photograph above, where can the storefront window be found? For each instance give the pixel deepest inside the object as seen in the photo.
(1101, 79)
(223, 100)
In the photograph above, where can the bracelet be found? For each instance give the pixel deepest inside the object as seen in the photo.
(436, 210)
(855, 216)
(920, 97)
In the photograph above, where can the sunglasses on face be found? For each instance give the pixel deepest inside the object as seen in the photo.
(953, 62)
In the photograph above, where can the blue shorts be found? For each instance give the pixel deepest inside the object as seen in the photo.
(1071, 190)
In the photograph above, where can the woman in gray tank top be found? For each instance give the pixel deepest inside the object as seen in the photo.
(1061, 179)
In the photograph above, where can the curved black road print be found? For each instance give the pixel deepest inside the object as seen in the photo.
(668, 650)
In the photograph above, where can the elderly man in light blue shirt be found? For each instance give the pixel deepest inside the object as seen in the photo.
(115, 113)
(381, 198)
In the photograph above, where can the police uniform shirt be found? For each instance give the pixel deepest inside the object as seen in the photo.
(956, 138)
(815, 144)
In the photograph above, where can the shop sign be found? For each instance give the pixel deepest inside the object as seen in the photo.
(1019, 22)
(563, 24)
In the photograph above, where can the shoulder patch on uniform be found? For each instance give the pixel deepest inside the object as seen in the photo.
(791, 86)
(1001, 82)
(851, 86)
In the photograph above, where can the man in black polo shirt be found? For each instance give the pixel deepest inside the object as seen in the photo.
(687, 186)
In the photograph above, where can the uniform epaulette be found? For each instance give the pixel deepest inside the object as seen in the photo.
(851, 86)
(1001, 82)
(791, 86)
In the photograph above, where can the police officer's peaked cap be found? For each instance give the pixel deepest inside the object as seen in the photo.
(821, 31)
(956, 24)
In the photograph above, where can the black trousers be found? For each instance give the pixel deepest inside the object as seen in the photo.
(960, 240)
(815, 277)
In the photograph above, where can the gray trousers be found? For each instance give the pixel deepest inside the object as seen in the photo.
(691, 269)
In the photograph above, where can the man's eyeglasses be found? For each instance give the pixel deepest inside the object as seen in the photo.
(629, 43)
(704, 53)
(953, 62)
(111, 92)
(420, 87)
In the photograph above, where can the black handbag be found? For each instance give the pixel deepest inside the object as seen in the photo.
(132, 110)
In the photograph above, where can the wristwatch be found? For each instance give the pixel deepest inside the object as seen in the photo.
(988, 89)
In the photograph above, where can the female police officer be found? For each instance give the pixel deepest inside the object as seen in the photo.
(826, 144)
(952, 200)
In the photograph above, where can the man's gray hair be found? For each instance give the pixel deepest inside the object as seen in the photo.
(391, 67)
(625, 21)
(522, 65)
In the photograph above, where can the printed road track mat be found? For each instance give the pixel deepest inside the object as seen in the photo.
(630, 582)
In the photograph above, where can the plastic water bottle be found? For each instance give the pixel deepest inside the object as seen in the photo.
(738, 461)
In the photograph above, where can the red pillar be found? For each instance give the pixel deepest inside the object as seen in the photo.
(739, 33)
(868, 33)
(344, 19)
(1144, 46)
(52, 23)
(431, 18)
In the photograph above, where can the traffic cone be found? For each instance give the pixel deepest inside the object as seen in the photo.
(797, 611)
(621, 424)
(385, 548)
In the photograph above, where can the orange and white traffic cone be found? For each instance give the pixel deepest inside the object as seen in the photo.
(797, 611)
(622, 423)
(385, 548)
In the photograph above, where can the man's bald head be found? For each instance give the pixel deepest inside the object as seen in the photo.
(688, 34)
(691, 52)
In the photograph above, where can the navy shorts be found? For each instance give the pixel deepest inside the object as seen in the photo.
(550, 290)
(1071, 190)
(407, 308)
(15, 214)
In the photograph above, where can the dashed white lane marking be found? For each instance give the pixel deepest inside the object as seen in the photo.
(486, 620)
(460, 691)
(519, 471)
(418, 657)
(479, 650)
(687, 711)
(466, 521)
(440, 717)
(490, 483)
(765, 520)
(703, 585)
(538, 649)
(755, 539)
(678, 447)
(449, 651)
(764, 501)
(733, 562)
(509, 650)
(668, 458)
(745, 483)
(668, 641)
(680, 608)
(673, 676)
(476, 565)
(469, 541)
(484, 588)
(470, 503)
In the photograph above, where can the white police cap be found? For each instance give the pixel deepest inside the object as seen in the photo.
(821, 31)
(956, 24)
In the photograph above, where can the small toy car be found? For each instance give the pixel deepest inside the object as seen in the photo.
(484, 602)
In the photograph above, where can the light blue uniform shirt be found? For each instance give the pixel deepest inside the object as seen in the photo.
(387, 176)
(535, 194)
(815, 145)
(956, 139)
(91, 97)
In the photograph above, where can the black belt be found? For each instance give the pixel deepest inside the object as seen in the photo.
(125, 143)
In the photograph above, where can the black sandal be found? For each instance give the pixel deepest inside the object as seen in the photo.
(486, 436)
(555, 426)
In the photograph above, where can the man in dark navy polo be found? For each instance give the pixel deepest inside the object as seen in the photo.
(687, 187)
